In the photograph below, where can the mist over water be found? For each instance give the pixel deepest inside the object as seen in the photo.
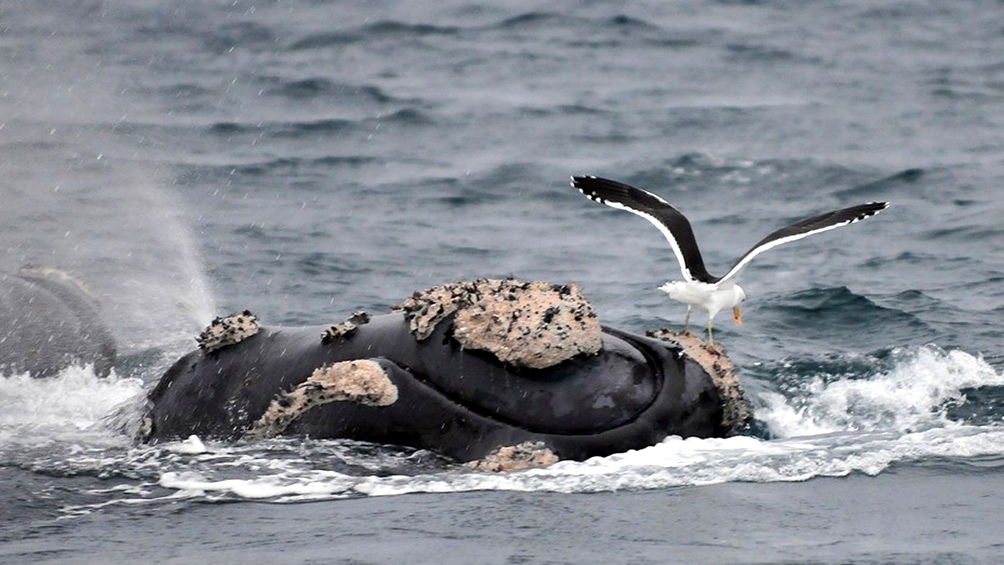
(82, 196)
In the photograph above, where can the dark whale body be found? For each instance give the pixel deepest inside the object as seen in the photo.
(49, 322)
(460, 402)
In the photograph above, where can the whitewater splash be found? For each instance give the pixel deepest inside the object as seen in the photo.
(69, 406)
(915, 394)
(829, 424)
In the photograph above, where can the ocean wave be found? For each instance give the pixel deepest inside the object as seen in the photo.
(964, 233)
(322, 126)
(284, 129)
(909, 391)
(246, 34)
(529, 19)
(873, 189)
(904, 257)
(314, 88)
(564, 110)
(367, 32)
(706, 174)
(285, 165)
(604, 32)
(839, 315)
(324, 40)
(760, 53)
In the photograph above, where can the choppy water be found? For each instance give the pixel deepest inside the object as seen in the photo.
(306, 160)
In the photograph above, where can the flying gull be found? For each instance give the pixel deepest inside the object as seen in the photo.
(699, 288)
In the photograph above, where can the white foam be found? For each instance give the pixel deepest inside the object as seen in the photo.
(56, 425)
(191, 446)
(76, 399)
(674, 462)
(913, 395)
(317, 484)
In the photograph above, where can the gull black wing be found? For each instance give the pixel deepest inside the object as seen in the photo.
(805, 228)
(668, 219)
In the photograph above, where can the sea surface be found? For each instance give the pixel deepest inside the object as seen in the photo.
(307, 159)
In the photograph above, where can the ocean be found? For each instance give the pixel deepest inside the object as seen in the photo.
(308, 159)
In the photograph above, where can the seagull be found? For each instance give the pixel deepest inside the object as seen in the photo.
(700, 289)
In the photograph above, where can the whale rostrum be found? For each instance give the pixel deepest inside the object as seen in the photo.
(477, 371)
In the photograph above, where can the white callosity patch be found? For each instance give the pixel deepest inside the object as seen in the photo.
(736, 411)
(228, 330)
(346, 328)
(526, 455)
(362, 381)
(533, 324)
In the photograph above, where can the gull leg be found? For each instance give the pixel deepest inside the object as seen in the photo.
(711, 338)
(686, 321)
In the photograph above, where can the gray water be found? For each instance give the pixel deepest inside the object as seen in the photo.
(307, 160)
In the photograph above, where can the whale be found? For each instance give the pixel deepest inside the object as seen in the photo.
(49, 321)
(468, 370)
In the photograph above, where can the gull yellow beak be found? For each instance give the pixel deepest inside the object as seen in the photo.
(737, 315)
